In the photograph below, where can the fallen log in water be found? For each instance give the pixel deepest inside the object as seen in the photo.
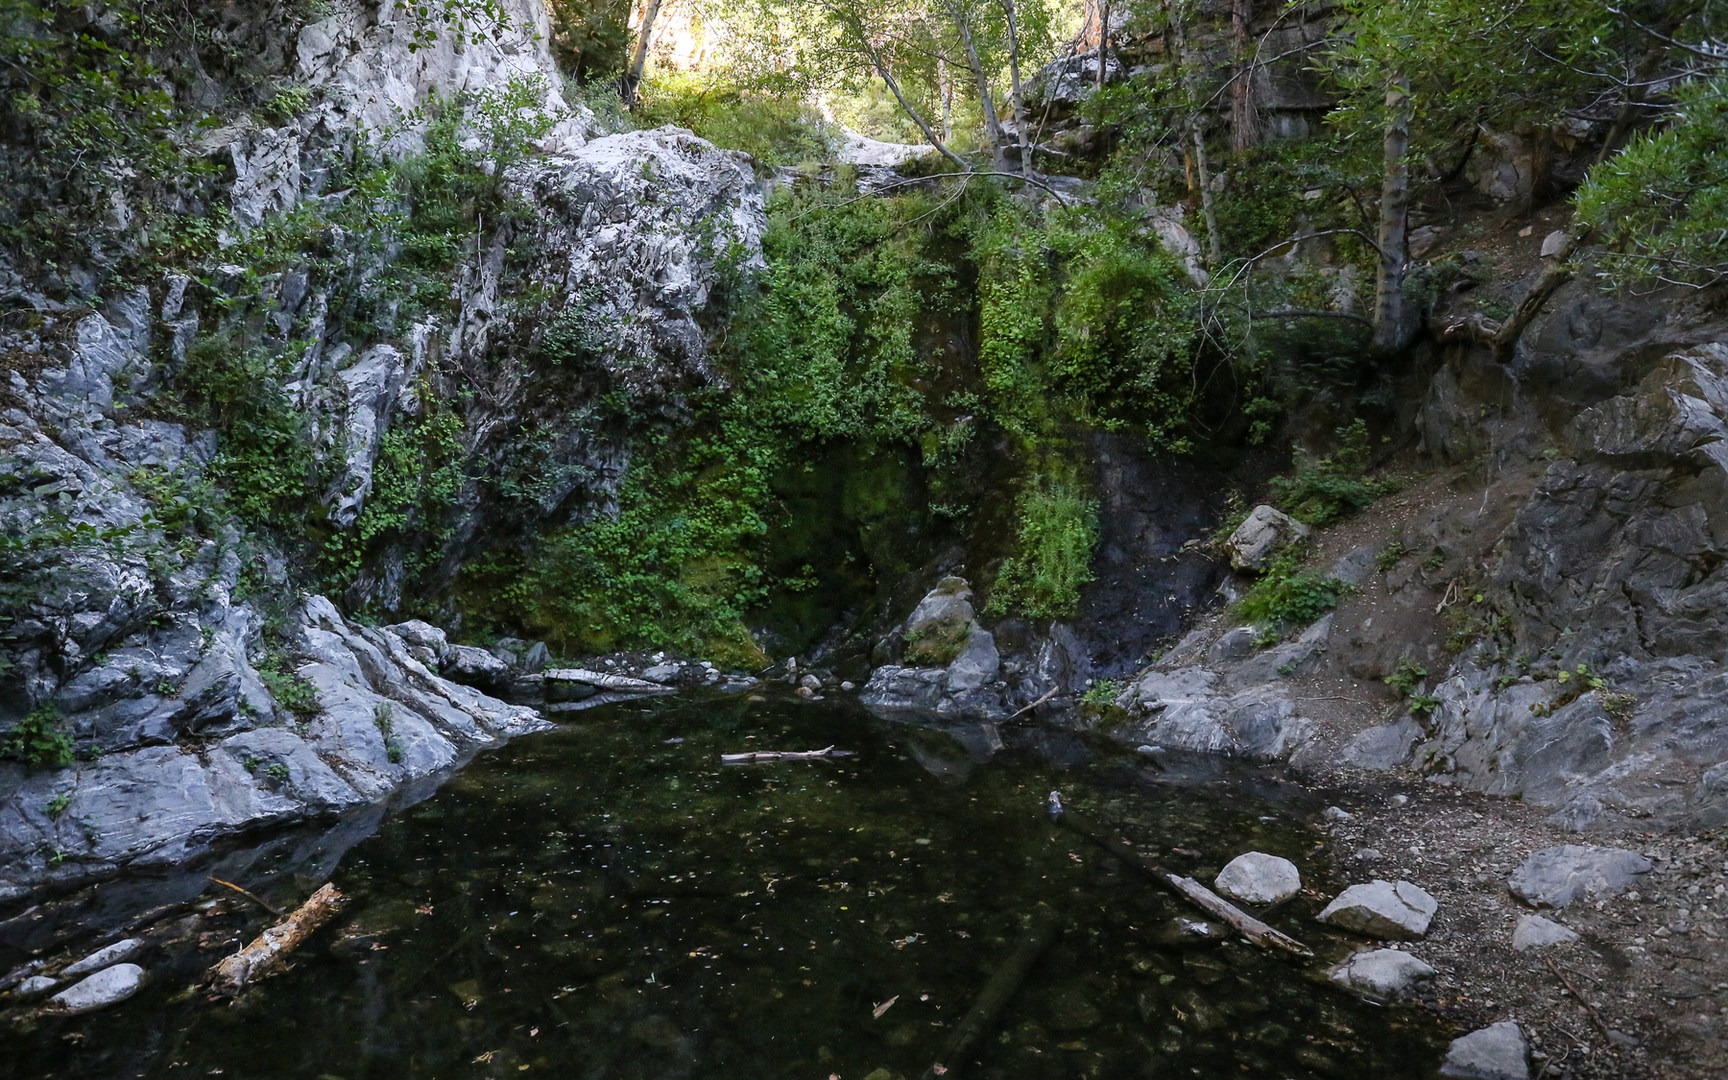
(782, 755)
(268, 951)
(1185, 887)
(1004, 983)
(605, 680)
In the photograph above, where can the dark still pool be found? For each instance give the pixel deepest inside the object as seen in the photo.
(611, 901)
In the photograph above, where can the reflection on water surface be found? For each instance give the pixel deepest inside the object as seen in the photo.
(609, 901)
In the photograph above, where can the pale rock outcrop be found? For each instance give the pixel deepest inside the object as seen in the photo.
(1555, 877)
(1259, 878)
(1386, 974)
(1261, 536)
(1382, 909)
(1535, 932)
(1496, 1052)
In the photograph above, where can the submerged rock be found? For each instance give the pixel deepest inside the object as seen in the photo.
(107, 987)
(105, 957)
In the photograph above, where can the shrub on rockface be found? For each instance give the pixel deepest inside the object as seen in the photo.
(773, 129)
(1052, 558)
(38, 742)
(1287, 598)
(963, 337)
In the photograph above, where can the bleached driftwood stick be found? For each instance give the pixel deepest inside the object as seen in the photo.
(271, 908)
(268, 951)
(1186, 887)
(782, 755)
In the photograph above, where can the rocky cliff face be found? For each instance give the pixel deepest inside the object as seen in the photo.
(508, 341)
(1547, 602)
(162, 678)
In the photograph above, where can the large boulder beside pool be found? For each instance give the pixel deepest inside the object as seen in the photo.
(1259, 878)
(1382, 909)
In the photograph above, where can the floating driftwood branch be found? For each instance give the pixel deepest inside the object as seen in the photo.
(271, 908)
(268, 951)
(1186, 887)
(1047, 696)
(782, 755)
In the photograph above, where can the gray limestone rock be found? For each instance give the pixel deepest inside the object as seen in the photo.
(371, 389)
(472, 666)
(1384, 747)
(1237, 644)
(1259, 878)
(601, 680)
(938, 627)
(1556, 876)
(104, 957)
(1191, 708)
(894, 687)
(144, 646)
(35, 986)
(1354, 567)
(1496, 1052)
(1535, 932)
(1387, 974)
(107, 987)
(421, 633)
(1382, 909)
(977, 664)
(384, 719)
(1266, 532)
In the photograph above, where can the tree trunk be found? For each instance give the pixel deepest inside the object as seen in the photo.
(1244, 125)
(1203, 178)
(639, 58)
(1004, 983)
(1638, 87)
(1103, 40)
(854, 26)
(1022, 114)
(1390, 319)
(1187, 888)
(1200, 176)
(945, 91)
(986, 105)
(1503, 338)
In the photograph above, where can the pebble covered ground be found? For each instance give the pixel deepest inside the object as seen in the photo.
(1642, 993)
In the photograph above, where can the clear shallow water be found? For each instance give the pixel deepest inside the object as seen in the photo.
(609, 901)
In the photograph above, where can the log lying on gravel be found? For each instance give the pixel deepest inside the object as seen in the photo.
(1186, 887)
(782, 755)
(269, 950)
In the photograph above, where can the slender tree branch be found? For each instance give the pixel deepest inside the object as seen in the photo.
(1305, 314)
